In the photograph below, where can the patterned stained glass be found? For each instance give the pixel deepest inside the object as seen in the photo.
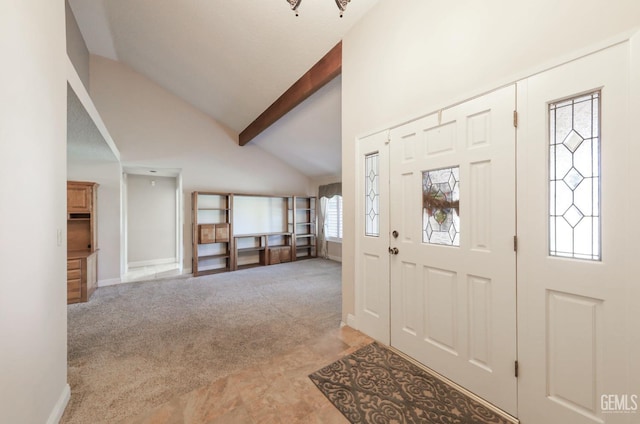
(372, 194)
(441, 206)
(574, 177)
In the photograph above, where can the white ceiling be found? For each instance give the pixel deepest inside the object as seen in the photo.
(231, 59)
(309, 137)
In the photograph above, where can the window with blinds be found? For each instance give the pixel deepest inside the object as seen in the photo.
(333, 219)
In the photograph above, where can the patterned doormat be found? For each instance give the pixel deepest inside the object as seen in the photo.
(375, 385)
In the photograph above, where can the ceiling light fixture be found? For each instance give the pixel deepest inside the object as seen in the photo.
(342, 5)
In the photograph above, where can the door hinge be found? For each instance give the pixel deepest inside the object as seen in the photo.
(515, 243)
(515, 118)
(516, 368)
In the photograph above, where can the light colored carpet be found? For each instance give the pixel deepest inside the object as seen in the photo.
(135, 346)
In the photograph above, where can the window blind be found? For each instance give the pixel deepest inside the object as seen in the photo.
(333, 220)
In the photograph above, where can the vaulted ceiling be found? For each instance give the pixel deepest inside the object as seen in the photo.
(229, 58)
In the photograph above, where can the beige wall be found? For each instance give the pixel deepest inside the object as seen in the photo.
(151, 219)
(76, 47)
(334, 251)
(153, 128)
(403, 62)
(33, 312)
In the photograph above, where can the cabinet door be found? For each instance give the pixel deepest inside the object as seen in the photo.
(78, 198)
(207, 233)
(74, 289)
(274, 255)
(74, 280)
(285, 254)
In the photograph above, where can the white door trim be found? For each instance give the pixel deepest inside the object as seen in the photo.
(372, 278)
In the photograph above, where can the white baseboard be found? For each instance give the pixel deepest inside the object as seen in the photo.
(60, 406)
(109, 282)
(152, 262)
(351, 321)
(335, 258)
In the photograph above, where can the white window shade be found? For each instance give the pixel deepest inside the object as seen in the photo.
(333, 219)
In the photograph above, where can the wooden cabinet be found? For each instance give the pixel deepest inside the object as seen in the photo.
(81, 240)
(217, 248)
(262, 249)
(79, 197)
(213, 233)
(81, 276)
(279, 255)
(74, 280)
(212, 229)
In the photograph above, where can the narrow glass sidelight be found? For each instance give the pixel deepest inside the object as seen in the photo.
(441, 206)
(372, 194)
(574, 177)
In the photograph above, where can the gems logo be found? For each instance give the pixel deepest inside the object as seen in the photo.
(619, 404)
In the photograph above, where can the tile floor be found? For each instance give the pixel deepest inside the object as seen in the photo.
(151, 272)
(278, 391)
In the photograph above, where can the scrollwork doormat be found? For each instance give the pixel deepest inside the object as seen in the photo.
(375, 385)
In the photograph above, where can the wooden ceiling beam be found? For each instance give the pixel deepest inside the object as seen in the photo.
(327, 68)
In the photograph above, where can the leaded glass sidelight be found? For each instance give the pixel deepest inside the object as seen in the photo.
(372, 194)
(574, 177)
(440, 206)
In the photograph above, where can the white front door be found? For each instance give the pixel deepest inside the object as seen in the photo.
(573, 280)
(453, 278)
(372, 237)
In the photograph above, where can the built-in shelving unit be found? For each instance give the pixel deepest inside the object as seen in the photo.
(262, 249)
(212, 232)
(228, 230)
(304, 215)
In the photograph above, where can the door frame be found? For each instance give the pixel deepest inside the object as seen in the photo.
(632, 206)
(382, 140)
(179, 210)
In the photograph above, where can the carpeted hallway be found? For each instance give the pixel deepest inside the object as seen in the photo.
(136, 347)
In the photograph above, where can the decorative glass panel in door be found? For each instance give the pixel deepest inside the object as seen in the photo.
(574, 177)
(372, 194)
(441, 206)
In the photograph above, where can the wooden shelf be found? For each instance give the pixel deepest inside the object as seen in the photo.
(304, 217)
(210, 210)
(250, 249)
(211, 231)
(213, 271)
(247, 266)
(261, 234)
(83, 218)
(79, 254)
(207, 257)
